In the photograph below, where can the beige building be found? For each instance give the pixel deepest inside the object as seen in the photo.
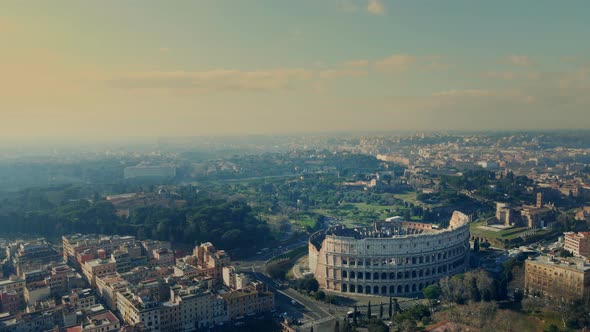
(163, 257)
(139, 311)
(563, 279)
(98, 268)
(248, 301)
(199, 308)
(577, 243)
(107, 288)
(36, 292)
(14, 284)
(100, 322)
(79, 299)
(75, 246)
(390, 258)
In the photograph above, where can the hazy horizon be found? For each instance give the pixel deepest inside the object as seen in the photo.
(225, 68)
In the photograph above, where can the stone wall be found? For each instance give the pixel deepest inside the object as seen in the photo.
(399, 265)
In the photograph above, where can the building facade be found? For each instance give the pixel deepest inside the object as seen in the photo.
(564, 279)
(390, 258)
(577, 243)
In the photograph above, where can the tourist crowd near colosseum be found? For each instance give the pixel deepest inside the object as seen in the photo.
(389, 258)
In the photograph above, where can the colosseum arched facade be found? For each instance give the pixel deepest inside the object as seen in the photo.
(390, 258)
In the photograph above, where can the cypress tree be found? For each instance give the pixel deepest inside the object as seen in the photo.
(390, 307)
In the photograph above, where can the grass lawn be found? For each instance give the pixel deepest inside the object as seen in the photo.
(409, 197)
(305, 221)
(508, 234)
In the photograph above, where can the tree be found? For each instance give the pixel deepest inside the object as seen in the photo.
(381, 311)
(407, 325)
(320, 296)
(369, 310)
(396, 307)
(311, 329)
(390, 311)
(354, 314)
(431, 292)
(337, 326)
(474, 293)
(476, 245)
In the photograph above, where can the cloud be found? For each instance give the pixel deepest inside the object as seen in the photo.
(347, 6)
(471, 93)
(510, 95)
(399, 62)
(434, 62)
(520, 60)
(505, 75)
(375, 7)
(214, 80)
(337, 73)
(356, 63)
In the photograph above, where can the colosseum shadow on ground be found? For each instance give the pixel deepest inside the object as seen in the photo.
(389, 258)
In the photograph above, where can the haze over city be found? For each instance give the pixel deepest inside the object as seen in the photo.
(153, 68)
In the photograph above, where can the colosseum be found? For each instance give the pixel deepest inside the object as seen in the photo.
(389, 258)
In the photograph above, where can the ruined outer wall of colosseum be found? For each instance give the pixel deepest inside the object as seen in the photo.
(402, 265)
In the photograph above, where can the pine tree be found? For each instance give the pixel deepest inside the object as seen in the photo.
(369, 310)
(381, 311)
(354, 321)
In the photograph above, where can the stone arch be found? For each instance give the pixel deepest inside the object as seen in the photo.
(414, 288)
(367, 275)
(383, 290)
(400, 275)
(352, 275)
(392, 276)
(421, 286)
(375, 289)
(368, 290)
(352, 288)
(414, 274)
(391, 289)
(384, 276)
(407, 288)
(407, 275)
(344, 274)
(376, 276)
(344, 288)
(399, 289)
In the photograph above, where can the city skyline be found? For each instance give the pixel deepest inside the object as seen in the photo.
(273, 67)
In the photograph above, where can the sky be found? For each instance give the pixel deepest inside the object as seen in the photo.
(232, 67)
